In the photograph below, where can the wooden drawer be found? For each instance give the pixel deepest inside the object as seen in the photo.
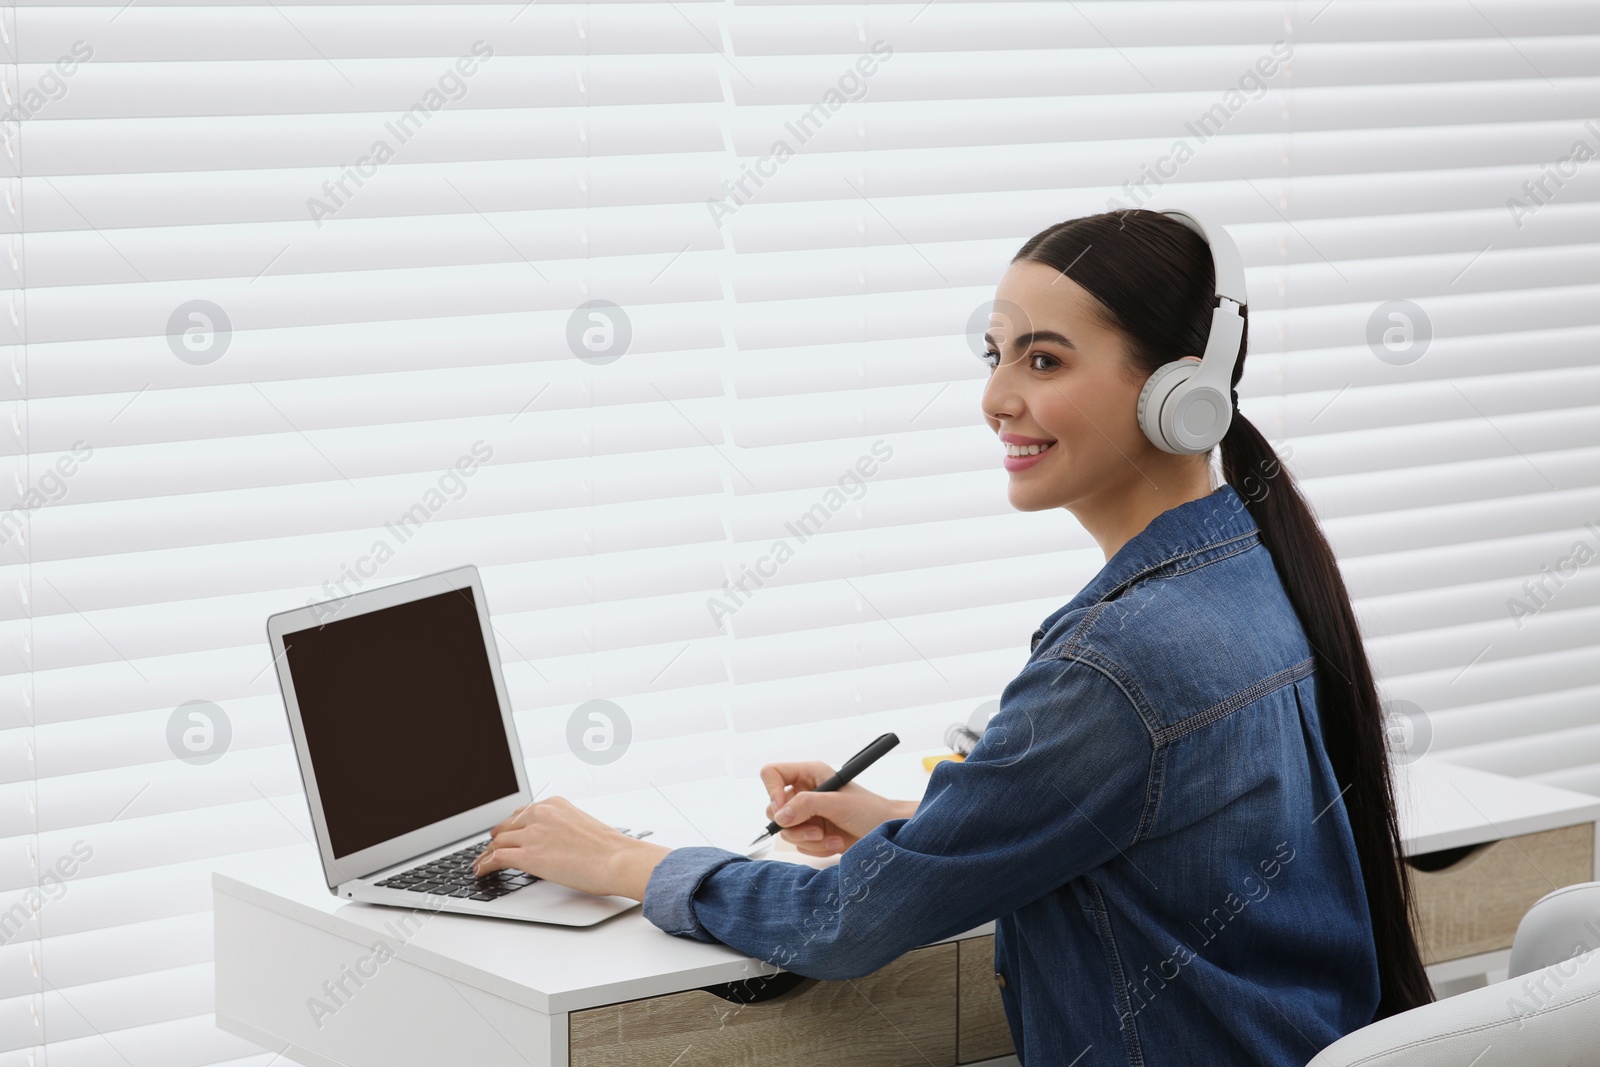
(1470, 900)
(982, 1032)
(901, 1014)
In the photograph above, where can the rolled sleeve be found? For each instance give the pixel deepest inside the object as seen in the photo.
(669, 894)
(1057, 786)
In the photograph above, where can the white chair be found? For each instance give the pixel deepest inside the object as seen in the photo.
(1547, 1014)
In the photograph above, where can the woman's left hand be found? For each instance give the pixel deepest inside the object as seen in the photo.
(554, 840)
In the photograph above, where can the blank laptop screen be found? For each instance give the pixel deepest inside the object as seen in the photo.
(401, 718)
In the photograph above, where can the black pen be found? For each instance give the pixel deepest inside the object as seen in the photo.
(852, 767)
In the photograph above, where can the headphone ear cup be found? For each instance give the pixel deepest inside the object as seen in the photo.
(1153, 397)
(1203, 404)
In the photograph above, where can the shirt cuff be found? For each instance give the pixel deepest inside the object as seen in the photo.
(669, 894)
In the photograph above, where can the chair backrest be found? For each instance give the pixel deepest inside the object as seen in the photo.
(1559, 926)
(1547, 1017)
(1546, 1013)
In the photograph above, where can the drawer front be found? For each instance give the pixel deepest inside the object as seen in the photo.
(902, 1014)
(1474, 905)
(982, 1033)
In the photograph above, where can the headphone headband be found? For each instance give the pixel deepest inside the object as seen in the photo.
(1224, 256)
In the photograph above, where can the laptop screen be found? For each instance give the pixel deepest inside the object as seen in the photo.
(401, 719)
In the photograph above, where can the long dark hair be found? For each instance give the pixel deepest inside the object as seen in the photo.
(1154, 282)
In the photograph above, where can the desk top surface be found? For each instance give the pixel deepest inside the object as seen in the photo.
(1443, 805)
(555, 969)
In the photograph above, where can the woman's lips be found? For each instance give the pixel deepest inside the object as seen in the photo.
(1022, 463)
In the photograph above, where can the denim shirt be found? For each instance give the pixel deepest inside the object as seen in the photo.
(1150, 819)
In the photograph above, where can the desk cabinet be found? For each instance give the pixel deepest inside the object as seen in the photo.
(1471, 898)
(982, 1032)
(936, 1006)
(902, 1015)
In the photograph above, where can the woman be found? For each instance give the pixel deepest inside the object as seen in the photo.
(1180, 818)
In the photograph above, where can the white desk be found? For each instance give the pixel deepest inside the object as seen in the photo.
(463, 989)
(1444, 806)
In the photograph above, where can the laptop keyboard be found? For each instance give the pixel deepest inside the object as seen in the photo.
(451, 875)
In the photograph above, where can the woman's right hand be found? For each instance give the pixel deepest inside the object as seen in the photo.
(822, 824)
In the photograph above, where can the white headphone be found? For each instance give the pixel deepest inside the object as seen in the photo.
(1185, 407)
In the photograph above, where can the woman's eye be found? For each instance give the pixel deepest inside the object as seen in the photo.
(992, 360)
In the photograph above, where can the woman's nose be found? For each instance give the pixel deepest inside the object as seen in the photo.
(1000, 395)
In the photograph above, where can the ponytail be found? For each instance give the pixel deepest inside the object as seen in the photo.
(1153, 281)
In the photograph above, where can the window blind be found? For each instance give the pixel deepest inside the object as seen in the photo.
(278, 276)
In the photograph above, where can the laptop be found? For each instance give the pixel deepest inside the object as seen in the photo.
(408, 751)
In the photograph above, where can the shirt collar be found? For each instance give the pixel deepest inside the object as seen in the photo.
(1168, 539)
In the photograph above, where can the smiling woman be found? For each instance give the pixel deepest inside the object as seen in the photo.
(1132, 290)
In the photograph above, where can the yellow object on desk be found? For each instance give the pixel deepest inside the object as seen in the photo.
(929, 762)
